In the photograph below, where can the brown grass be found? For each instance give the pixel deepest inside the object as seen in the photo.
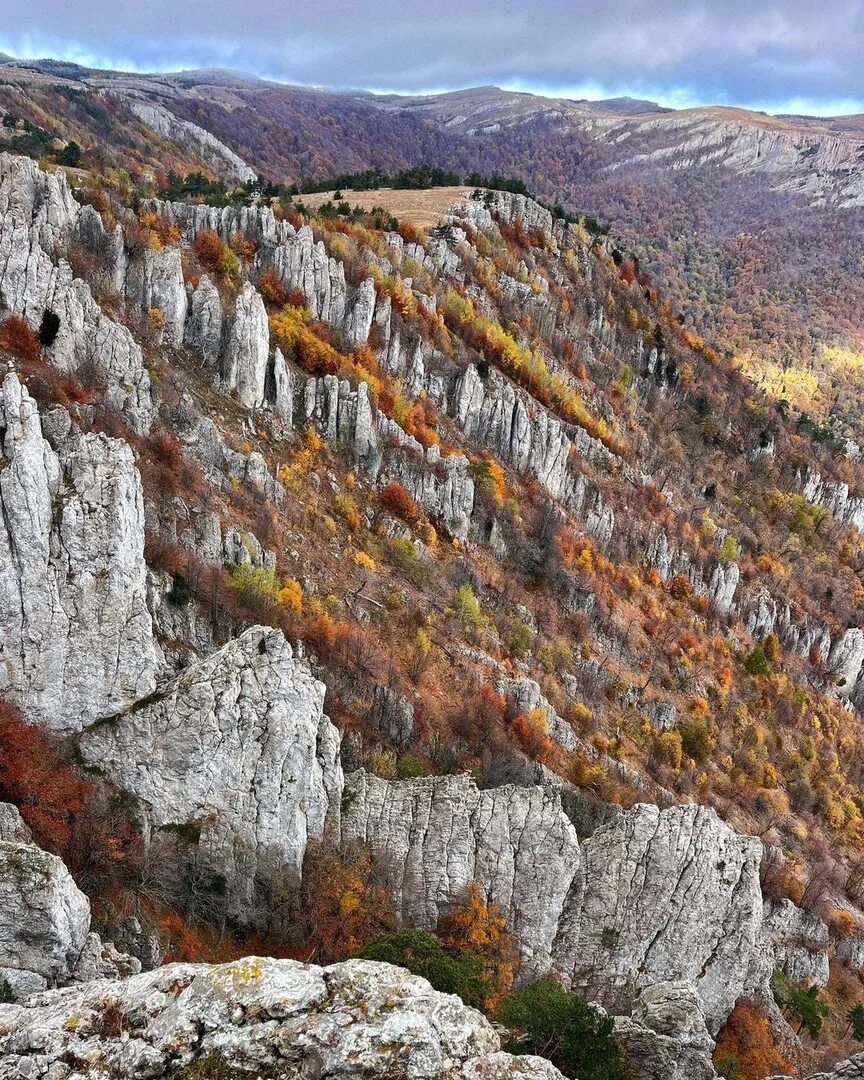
(420, 207)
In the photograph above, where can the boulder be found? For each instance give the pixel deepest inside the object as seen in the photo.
(665, 1038)
(258, 1017)
(44, 918)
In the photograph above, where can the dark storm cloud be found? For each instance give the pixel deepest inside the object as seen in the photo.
(775, 53)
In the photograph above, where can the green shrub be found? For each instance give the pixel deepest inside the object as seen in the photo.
(697, 741)
(423, 954)
(756, 663)
(409, 766)
(557, 1024)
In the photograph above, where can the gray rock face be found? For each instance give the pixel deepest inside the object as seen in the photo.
(344, 415)
(203, 330)
(525, 696)
(237, 748)
(274, 1017)
(37, 218)
(799, 942)
(442, 486)
(666, 1037)
(437, 835)
(165, 123)
(846, 660)
(44, 917)
(76, 639)
(247, 348)
(724, 582)
(846, 508)
(662, 895)
(282, 396)
(156, 281)
(359, 322)
(12, 827)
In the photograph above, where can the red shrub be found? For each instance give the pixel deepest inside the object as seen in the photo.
(398, 501)
(16, 337)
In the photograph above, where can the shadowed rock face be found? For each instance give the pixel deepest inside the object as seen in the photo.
(76, 638)
(355, 1018)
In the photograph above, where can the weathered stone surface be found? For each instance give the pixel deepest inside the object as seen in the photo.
(799, 942)
(259, 1015)
(236, 748)
(846, 660)
(156, 281)
(724, 582)
(281, 394)
(222, 157)
(437, 835)
(525, 696)
(247, 349)
(76, 639)
(37, 218)
(203, 330)
(12, 827)
(665, 1038)
(44, 916)
(662, 895)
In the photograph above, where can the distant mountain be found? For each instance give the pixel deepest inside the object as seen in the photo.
(752, 225)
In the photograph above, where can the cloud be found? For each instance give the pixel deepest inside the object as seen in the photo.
(730, 51)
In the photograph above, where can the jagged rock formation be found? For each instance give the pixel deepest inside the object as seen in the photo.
(665, 1037)
(76, 638)
(799, 942)
(247, 348)
(44, 919)
(256, 1015)
(435, 836)
(237, 752)
(165, 123)
(45, 936)
(156, 281)
(37, 219)
(662, 895)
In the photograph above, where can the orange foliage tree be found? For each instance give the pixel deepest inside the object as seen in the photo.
(746, 1041)
(480, 929)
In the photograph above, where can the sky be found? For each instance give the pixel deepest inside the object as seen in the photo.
(792, 56)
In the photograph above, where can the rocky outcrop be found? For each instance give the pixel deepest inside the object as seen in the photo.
(234, 754)
(437, 835)
(155, 281)
(261, 1017)
(721, 590)
(76, 638)
(846, 508)
(665, 1037)
(662, 895)
(203, 330)
(343, 414)
(44, 919)
(525, 696)
(799, 942)
(184, 132)
(846, 660)
(37, 219)
(247, 349)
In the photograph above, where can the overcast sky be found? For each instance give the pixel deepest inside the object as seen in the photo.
(797, 55)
